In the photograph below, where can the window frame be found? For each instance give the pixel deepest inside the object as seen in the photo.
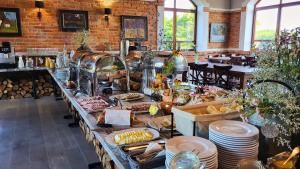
(174, 10)
(279, 14)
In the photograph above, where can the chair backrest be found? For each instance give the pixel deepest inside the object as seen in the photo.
(236, 60)
(211, 60)
(198, 71)
(250, 61)
(222, 75)
(223, 68)
(194, 66)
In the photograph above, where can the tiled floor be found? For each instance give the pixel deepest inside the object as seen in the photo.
(34, 135)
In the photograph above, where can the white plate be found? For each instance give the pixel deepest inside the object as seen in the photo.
(233, 128)
(243, 149)
(236, 158)
(157, 123)
(213, 133)
(237, 154)
(189, 143)
(233, 144)
(110, 138)
(233, 141)
(221, 139)
(141, 96)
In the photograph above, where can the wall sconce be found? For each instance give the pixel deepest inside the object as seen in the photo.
(107, 11)
(39, 4)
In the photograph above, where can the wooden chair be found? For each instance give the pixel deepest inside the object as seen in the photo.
(222, 76)
(199, 74)
(250, 61)
(236, 60)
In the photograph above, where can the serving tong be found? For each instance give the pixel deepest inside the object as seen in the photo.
(144, 145)
(137, 150)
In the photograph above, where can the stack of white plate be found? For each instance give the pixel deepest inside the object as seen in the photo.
(235, 141)
(206, 150)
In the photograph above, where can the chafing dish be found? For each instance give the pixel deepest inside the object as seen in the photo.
(134, 60)
(75, 66)
(100, 73)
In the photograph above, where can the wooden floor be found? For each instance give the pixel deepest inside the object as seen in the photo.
(34, 135)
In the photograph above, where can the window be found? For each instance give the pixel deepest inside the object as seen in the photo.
(179, 25)
(273, 16)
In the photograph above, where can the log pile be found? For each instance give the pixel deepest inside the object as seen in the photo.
(44, 86)
(23, 88)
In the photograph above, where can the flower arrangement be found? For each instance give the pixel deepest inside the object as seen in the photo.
(277, 103)
(82, 38)
(176, 53)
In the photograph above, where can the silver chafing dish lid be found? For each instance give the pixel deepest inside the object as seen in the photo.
(79, 56)
(98, 62)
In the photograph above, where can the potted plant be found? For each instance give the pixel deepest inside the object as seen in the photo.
(273, 103)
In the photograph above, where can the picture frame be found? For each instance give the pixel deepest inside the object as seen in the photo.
(135, 28)
(73, 21)
(218, 32)
(10, 22)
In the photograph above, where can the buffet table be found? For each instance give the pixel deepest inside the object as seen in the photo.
(95, 135)
(222, 144)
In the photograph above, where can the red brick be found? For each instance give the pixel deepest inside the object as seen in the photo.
(46, 33)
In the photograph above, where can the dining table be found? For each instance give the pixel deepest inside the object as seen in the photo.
(223, 59)
(243, 73)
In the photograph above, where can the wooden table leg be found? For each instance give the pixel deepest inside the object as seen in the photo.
(243, 81)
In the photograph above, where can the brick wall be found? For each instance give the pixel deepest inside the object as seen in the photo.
(232, 19)
(234, 30)
(46, 33)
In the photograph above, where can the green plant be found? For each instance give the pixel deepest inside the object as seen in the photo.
(81, 37)
(280, 61)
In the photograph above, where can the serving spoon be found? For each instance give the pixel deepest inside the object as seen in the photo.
(295, 152)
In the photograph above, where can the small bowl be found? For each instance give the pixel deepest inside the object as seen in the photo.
(277, 161)
(186, 160)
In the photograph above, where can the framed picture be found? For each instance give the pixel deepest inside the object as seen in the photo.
(10, 24)
(135, 28)
(218, 32)
(73, 21)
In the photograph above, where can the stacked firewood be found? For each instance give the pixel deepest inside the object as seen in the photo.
(23, 88)
(44, 86)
